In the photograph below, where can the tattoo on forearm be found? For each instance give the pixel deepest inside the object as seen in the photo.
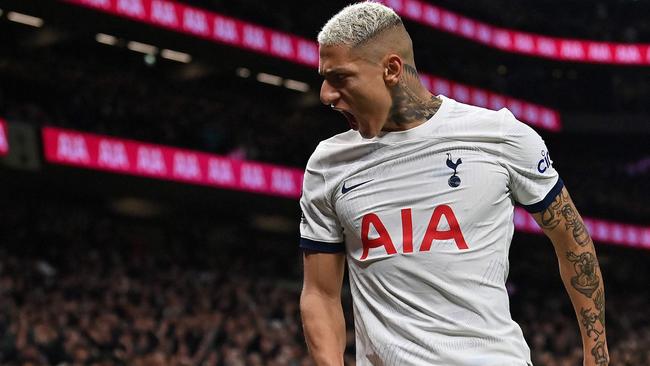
(599, 351)
(586, 280)
(406, 105)
(588, 320)
(600, 355)
(599, 302)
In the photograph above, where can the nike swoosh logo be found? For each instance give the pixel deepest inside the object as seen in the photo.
(345, 189)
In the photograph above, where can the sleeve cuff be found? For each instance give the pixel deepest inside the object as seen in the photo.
(550, 196)
(323, 247)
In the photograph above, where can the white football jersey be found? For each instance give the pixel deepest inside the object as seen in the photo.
(425, 218)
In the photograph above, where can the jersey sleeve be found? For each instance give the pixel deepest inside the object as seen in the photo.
(533, 180)
(320, 229)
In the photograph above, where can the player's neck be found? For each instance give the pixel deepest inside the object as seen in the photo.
(412, 103)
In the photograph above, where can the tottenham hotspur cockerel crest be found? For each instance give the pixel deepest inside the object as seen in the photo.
(454, 180)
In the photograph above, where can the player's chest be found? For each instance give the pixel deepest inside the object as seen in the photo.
(404, 194)
(396, 178)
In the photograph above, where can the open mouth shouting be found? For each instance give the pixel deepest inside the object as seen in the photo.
(351, 119)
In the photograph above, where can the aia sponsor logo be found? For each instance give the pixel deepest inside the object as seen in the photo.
(72, 148)
(164, 13)
(383, 240)
(112, 155)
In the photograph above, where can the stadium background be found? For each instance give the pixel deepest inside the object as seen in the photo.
(102, 264)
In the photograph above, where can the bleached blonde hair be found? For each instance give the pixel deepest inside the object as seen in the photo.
(357, 23)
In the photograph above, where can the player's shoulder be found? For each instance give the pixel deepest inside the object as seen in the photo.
(341, 140)
(341, 147)
(334, 143)
(502, 121)
(477, 115)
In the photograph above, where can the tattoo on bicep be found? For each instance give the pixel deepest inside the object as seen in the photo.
(586, 280)
(561, 208)
(550, 218)
(573, 222)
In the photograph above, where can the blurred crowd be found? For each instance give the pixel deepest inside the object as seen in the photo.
(550, 326)
(78, 287)
(82, 286)
(119, 314)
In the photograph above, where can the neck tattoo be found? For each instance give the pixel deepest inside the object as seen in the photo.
(407, 106)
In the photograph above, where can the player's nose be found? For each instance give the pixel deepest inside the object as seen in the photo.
(328, 94)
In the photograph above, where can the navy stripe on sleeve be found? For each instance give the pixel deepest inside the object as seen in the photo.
(319, 246)
(543, 204)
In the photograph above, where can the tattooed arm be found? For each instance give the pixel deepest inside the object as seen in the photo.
(580, 273)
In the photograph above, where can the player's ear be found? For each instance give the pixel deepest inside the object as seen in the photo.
(393, 68)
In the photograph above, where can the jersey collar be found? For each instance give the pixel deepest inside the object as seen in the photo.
(420, 130)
